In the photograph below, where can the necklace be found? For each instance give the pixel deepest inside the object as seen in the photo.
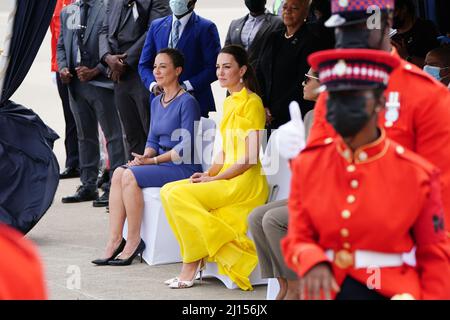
(288, 37)
(167, 102)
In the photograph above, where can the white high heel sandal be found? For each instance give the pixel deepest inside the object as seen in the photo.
(183, 284)
(168, 282)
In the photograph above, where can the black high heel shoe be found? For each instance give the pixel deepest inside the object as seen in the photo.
(104, 262)
(126, 262)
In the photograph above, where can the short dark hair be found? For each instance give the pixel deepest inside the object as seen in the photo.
(443, 53)
(175, 55)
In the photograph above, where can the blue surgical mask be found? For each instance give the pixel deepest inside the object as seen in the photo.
(179, 7)
(435, 72)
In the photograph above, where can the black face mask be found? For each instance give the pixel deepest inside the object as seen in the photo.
(255, 6)
(347, 114)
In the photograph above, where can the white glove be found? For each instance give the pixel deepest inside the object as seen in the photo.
(53, 78)
(291, 135)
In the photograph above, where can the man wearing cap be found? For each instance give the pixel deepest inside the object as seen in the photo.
(417, 113)
(350, 243)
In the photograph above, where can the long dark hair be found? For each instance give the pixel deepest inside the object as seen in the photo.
(241, 57)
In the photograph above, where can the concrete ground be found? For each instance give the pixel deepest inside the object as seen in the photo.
(70, 236)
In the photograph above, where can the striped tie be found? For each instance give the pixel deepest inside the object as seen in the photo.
(175, 33)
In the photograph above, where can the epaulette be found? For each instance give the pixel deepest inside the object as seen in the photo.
(414, 158)
(318, 143)
(411, 68)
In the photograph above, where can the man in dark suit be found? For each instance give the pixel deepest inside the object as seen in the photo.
(91, 95)
(252, 30)
(72, 168)
(121, 41)
(198, 40)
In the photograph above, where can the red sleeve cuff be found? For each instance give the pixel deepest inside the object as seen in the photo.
(306, 256)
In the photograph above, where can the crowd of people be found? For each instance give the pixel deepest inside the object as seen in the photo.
(368, 144)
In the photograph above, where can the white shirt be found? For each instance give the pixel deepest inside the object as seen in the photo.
(251, 28)
(184, 21)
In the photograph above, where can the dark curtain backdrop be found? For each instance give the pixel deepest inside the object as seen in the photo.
(30, 26)
(29, 171)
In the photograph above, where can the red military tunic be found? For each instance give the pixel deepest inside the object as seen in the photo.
(382, 198)
(21, 274)
(55, 29)
(423, 123)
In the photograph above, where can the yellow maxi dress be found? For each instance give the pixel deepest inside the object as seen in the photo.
(209, 219)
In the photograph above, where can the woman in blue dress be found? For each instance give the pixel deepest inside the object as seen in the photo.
(168, 156)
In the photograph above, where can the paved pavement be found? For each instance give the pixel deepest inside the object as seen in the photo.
(70, 236)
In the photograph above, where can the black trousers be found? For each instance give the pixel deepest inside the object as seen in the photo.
(92, 105)
(354, 290)
(132, 101)
(70, 139)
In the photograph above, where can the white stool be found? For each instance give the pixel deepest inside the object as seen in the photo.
(161, 246)
(272, 289)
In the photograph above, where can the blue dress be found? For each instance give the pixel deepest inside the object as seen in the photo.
(171, 127)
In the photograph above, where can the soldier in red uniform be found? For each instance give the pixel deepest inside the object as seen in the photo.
(417, 113)
(21, 274)
(359, 201)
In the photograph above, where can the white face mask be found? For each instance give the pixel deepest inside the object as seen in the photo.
(179, 7)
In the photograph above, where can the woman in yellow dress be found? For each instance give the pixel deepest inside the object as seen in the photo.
(208, 212)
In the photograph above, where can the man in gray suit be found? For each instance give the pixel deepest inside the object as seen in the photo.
(121, 41)
(251, 31)
(91, 95)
